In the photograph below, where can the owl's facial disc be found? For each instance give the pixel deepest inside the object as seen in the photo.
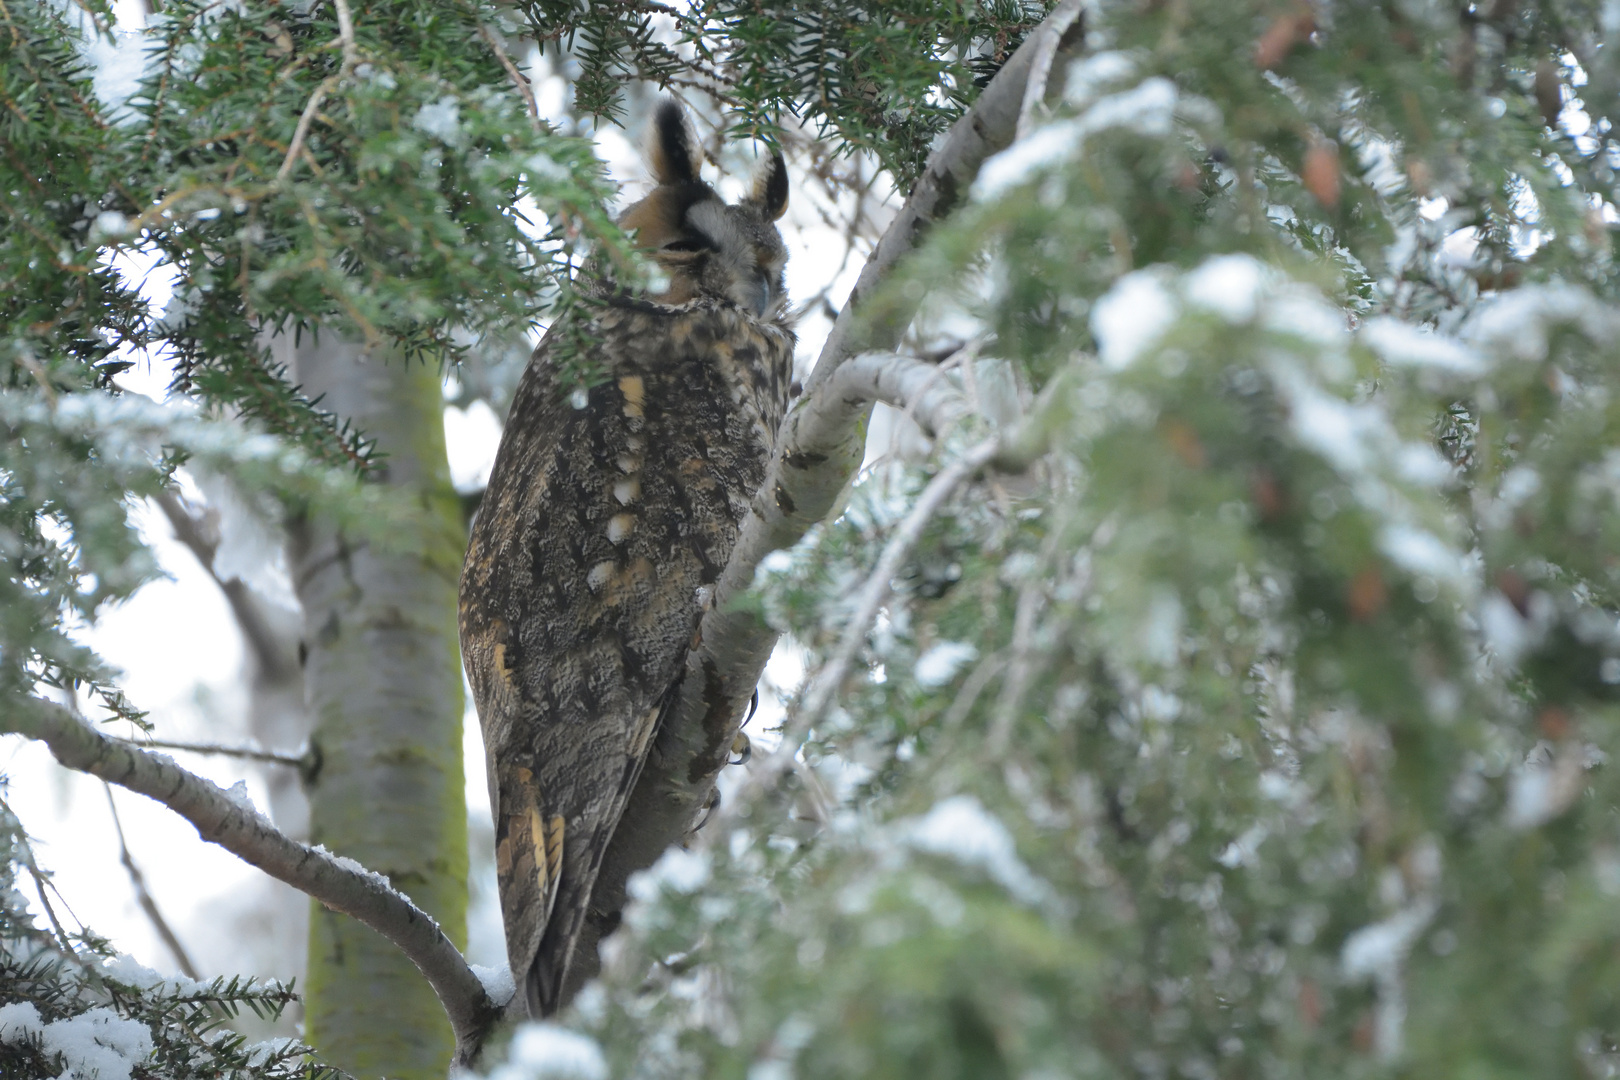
(733, 239)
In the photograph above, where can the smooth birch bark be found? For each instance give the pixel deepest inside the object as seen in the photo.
(384, 685)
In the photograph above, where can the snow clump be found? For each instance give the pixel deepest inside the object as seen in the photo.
(440, 120)
(939, 664)
(677, 870)
(497, 982)
(95, 1045)
(961, 828)
(1147, 109)
(552, 1052)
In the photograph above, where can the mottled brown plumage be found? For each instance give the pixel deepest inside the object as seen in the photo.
(599, 531)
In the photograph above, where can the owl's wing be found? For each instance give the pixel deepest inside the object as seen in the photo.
(542, 906)
(579, 596)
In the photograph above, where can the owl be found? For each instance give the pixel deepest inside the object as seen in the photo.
(606, 516)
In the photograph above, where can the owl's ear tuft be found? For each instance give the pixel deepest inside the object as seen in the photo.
(771, 187)
(673, 150)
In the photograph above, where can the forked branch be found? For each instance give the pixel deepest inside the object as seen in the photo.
(341, 884)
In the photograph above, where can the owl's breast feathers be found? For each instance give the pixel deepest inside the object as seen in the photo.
(579, 594)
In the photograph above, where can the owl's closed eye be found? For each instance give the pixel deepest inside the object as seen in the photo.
(706, 247)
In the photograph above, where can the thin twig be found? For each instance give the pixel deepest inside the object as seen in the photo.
(517, 77)
(292, 761)
(273, 652)
(351, 57)
(351, 51)
(143, 895)
(340, 884)
(296, 149)
(819, 697)
(50, 912)
(196, 530)
(968, 695)
(1020, 667)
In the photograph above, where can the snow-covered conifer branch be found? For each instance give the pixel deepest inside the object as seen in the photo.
(341, 884)
(819, 697)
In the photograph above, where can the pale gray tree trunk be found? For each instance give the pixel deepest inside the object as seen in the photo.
(384, 685)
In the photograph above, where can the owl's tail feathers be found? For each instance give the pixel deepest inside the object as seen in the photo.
(545, 984)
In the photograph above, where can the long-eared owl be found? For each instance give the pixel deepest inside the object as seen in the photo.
(605, 518)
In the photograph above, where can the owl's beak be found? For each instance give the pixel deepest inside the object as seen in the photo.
(760, 299)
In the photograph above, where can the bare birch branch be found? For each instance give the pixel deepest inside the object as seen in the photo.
(914, 386)
(1060, 24)
(351, 51)
(340, 884)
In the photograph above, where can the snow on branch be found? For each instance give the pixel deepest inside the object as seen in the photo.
(818, 698)
(820, 447)
(915, 386)
(339, 883)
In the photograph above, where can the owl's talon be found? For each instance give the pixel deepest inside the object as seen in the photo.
(708, 809)
(742, 747)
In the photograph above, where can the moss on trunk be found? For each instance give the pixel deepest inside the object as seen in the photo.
(383, 673)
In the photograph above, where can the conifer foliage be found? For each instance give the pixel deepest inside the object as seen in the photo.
(1251, 715)
(72, 1007)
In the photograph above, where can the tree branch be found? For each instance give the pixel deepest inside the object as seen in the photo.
(340, 884)
(304, 763)
(301, 132)
(819, 697)
(914, 386)
(351, 57)
(351, 51)
(1063, 21)
(818, 451)
(518, 79)
(272, 652)
(144, 897)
